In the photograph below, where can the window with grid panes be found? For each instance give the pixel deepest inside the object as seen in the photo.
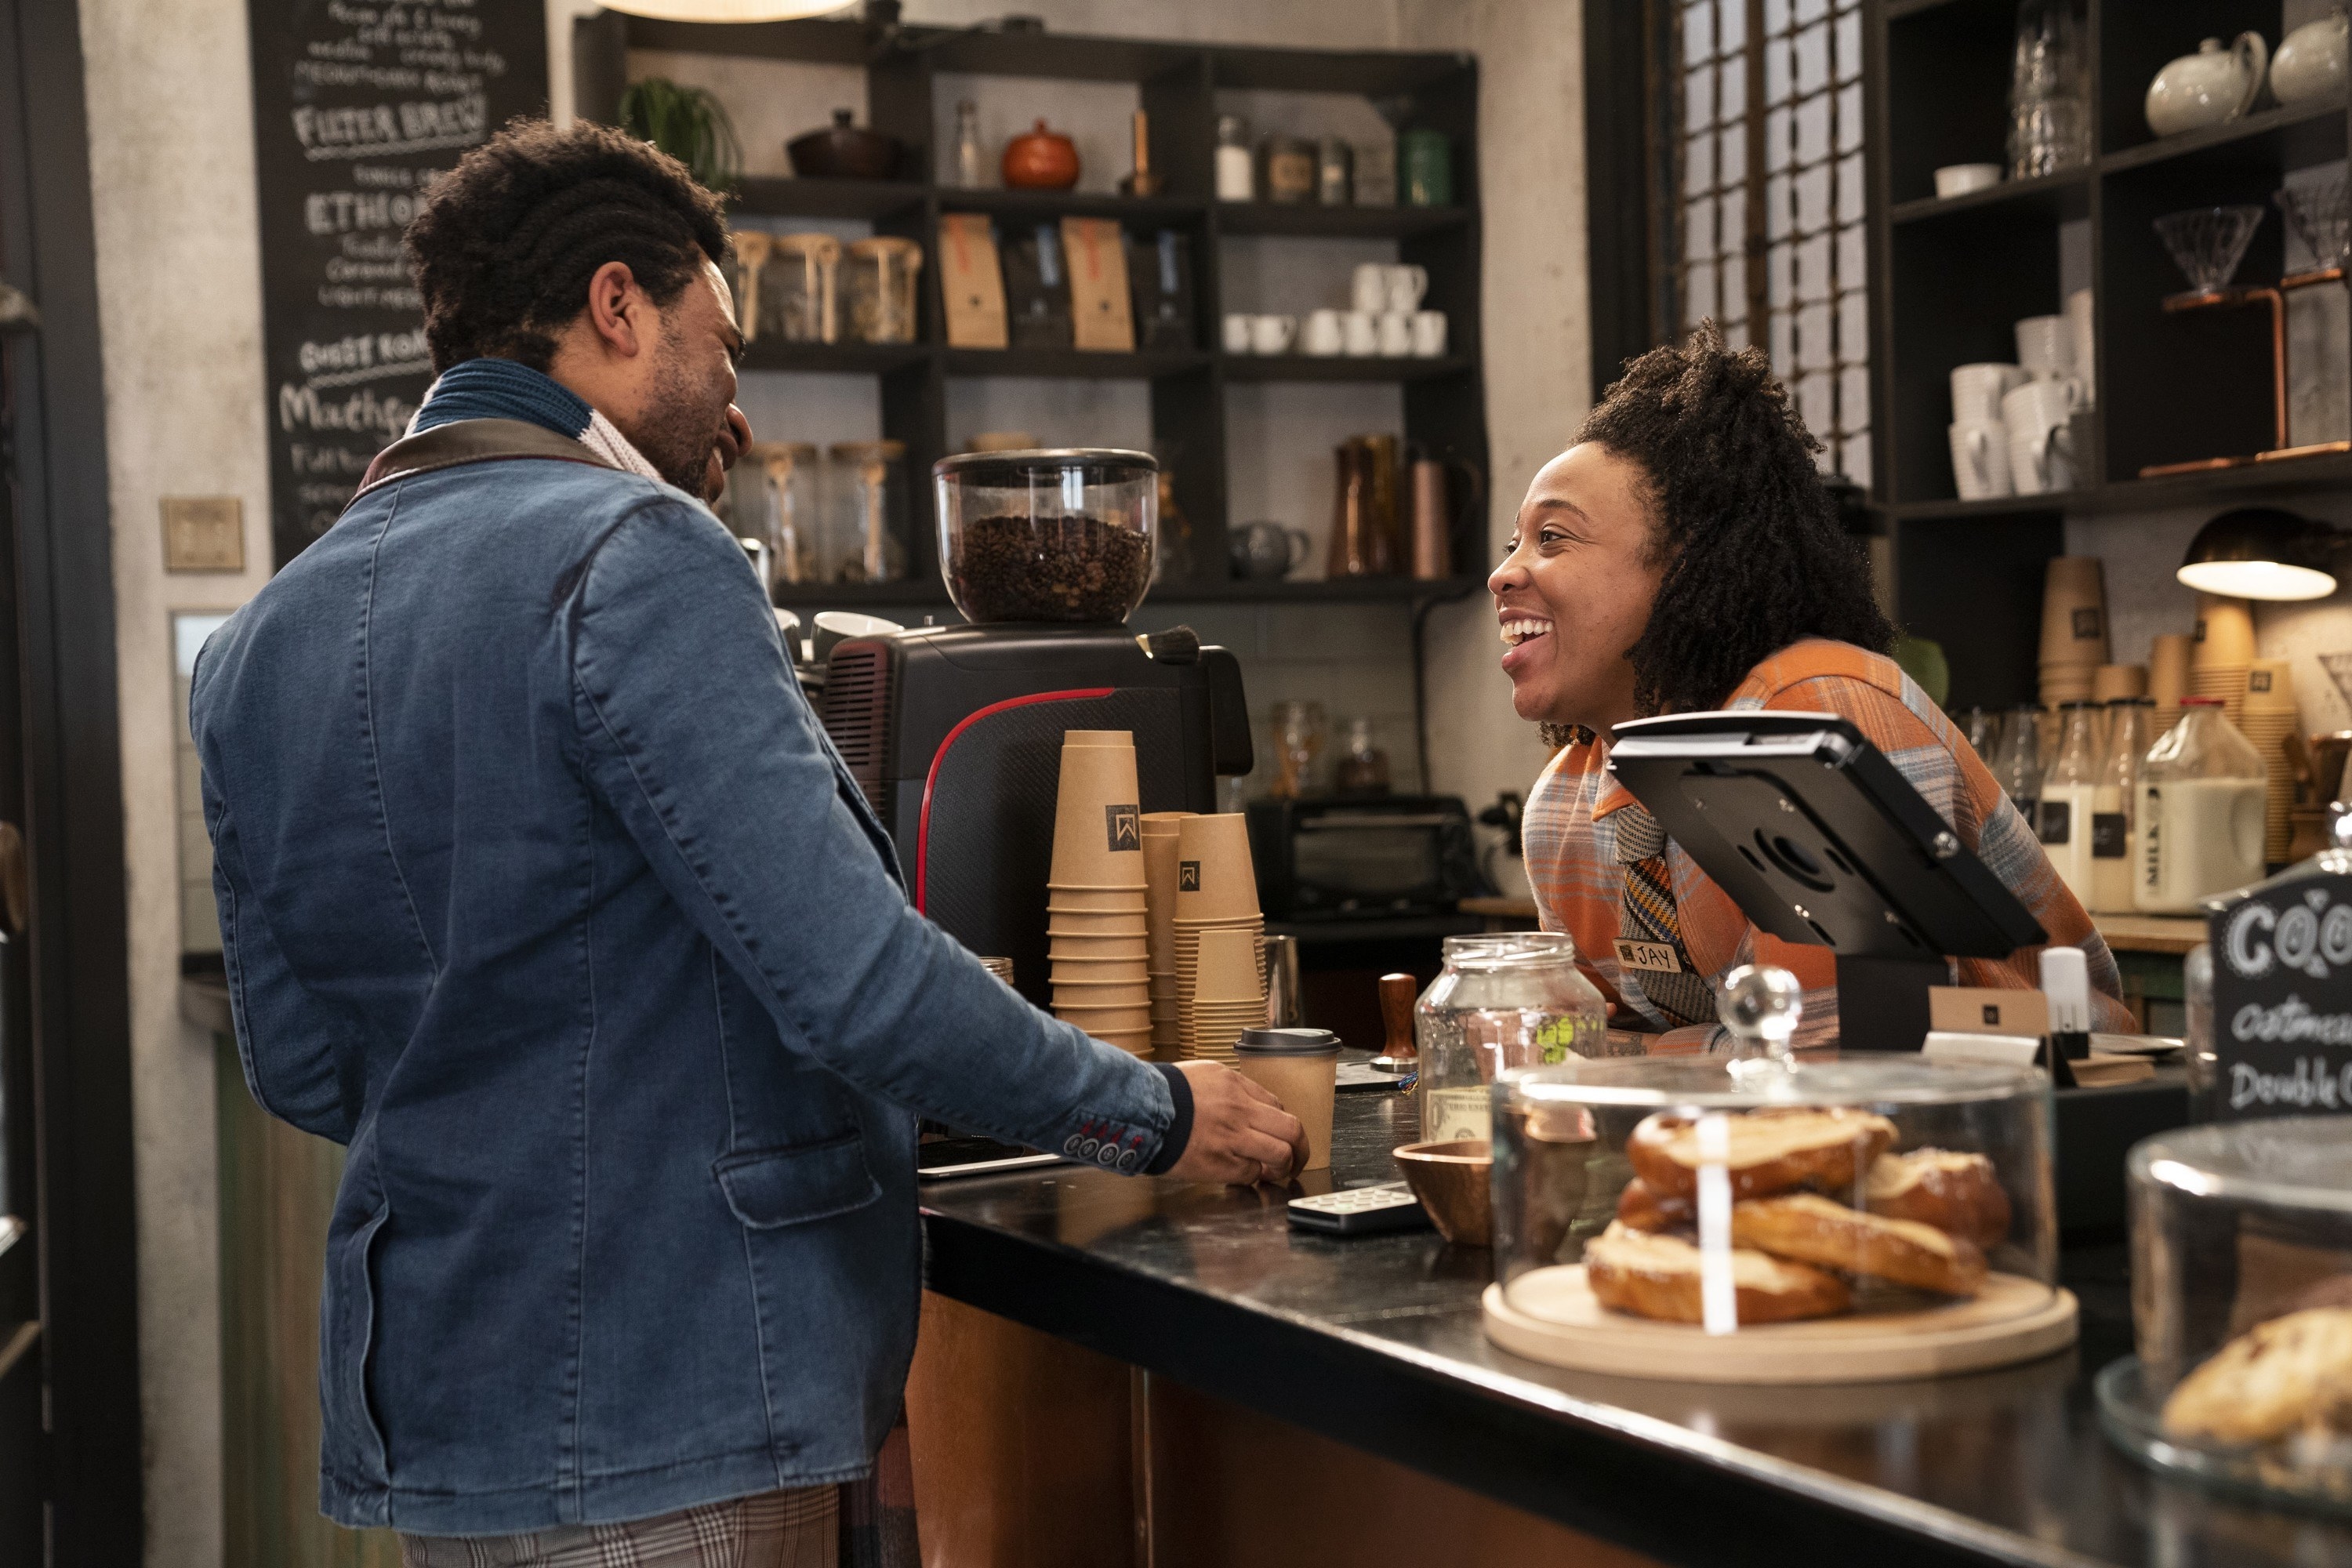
(1767, 170)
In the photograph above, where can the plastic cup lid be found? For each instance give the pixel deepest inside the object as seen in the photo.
(1289, 1043)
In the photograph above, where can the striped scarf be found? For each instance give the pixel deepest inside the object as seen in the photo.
(502, 389)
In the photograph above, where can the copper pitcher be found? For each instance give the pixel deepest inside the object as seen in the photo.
(1363, 508)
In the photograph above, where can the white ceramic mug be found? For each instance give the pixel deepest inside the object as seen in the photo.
(2045, 347)
(1363, 331)
(1237, 334)
(2079, 328)
(1981, 460)
(1429, 335)
(1370, 294)
(1396, 333)
(1406, 285)
(1272, 335)
(1959, 179)
(2041, 453)
(1324, 334)
(1977, 389)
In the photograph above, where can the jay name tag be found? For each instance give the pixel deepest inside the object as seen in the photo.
(1656, 957)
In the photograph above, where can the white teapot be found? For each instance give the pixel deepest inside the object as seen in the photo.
(2210, 87)
(2309, 65)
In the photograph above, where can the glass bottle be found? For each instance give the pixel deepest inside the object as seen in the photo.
(2049, 91)
(970, 161)
(1236, 170)
(1501, 1004)
(1364, 768)
(1982, 726)
(2200, 822)
(2070, 798)
(866, 498)
(2128, 721)
(1299, 731)
(2019, 770)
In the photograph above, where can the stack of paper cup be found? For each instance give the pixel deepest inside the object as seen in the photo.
(999, 967)
(1095, 930)
(1216, 892)
(2170, 659)
(2270, 719)
(1162, 843)
(1226, 993)
(2114, 682)
(2073, 628)
(2224, 654)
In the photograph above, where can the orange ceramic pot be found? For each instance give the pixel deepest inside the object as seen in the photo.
(1041, 160)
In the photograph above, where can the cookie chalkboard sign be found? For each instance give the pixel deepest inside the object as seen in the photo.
(356, 107)
(2282, 999)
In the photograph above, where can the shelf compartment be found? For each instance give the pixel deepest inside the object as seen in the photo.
(1306, 220)
(1141, 212)
(2061, 197)
(763, 195)
(2219, 486)
(1322, 591)
(1073, 364)
(2294, 137)
(1314, 367)
(1373, 73)
(832, 358)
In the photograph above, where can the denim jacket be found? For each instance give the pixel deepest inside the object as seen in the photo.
(541, 890)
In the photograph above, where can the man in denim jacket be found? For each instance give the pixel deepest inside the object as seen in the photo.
(542, 889)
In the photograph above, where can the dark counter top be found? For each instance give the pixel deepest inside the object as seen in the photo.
(1377, 1343)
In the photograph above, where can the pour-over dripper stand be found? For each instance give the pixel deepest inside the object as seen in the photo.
(2207, 244)
(2321, 216)
(1762, 1005)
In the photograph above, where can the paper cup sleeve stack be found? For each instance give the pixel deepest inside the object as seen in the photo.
(1220, 937)
(2223, 654)
(1097, 934)
(2073, 629)
(2268, 717)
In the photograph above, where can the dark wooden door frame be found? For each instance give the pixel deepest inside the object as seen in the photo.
(71, 796)
(1626, 230)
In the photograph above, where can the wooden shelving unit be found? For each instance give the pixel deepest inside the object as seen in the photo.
(1950, 276)
(1443, 399)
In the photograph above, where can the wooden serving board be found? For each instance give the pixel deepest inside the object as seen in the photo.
(1553, 1317)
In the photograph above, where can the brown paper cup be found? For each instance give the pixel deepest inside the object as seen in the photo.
(1098, 738)
(2168, 661)
(1228, 968)
(1121, 1020)
(1100, 972)
(1121, 948)
(2225, 633)
(1114, 900)
(1134, 1042)
(1215, 877)
(2119, 680)
(1163, 824)
(2073, 612)
(1098, 826)
(1083, 922)
(1159, 856)
(1306, 1086)
(2270, 689)
(1102, 993)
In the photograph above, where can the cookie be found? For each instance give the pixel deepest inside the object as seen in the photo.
(1805, 1228)
(2274, 1379)
(1766, 1152)
(1658, 1277)
(1955, 1192)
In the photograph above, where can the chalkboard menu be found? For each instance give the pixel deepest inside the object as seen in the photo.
(356, 107)
(2283, 998)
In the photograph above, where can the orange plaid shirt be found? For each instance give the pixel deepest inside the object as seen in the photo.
(1579, 885)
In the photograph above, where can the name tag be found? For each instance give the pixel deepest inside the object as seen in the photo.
(1657, 957)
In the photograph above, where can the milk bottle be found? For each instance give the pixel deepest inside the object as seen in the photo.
(2070, 799)
(2198, 830)
(2115, 804)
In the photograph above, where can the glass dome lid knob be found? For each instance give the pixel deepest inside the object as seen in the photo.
(1762, 1005)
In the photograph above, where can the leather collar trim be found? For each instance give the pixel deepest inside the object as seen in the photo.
(463, 441)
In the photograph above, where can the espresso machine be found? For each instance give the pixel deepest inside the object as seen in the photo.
(954, 733)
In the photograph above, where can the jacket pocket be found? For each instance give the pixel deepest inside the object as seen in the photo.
(769, 1188)
(353, 1441)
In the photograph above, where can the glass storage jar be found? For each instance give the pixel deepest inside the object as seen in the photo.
(2241, 1308)
(878, 286)
(1065, 535)
(1502, 1003)
(865, 505)
(797, 289)
(2199, 827)
(1677, 1217)
(773, 497)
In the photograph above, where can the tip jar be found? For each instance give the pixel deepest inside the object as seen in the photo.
(1841, 1221)
(1047, 535)
(1502, 1003)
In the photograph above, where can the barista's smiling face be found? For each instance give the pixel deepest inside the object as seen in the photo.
(1574, 591)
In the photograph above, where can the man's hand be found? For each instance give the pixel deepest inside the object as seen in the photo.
(1241, 1134)
(734, 435)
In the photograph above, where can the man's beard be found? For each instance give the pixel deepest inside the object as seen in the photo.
(680, 424)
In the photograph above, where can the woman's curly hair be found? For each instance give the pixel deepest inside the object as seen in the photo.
(1754, 555)
(504, 243)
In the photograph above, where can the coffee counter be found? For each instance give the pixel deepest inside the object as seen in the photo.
(1375, 1343)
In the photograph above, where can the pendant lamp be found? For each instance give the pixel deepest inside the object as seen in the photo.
(2263, 552)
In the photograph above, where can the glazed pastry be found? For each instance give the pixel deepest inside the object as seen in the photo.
(1639, 1206)
(1808, 1228)
(1658, 1277)
(1770, 1150)
(1958, 1193)
(2274, 1379)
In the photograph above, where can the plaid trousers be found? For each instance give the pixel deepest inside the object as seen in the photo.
(862, 1524)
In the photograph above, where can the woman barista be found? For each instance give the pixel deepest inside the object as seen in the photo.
(1684, 556)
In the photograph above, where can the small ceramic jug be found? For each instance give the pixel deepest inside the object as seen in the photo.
(1041, 160)
(2211, 86)
(2309, 65)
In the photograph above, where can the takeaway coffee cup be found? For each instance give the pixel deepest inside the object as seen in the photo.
(1301, 1067)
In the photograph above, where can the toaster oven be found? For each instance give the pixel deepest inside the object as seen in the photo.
(1356, 857)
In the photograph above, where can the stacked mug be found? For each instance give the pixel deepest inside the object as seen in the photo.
(2269, 717)
(1160, 844)
(1096, 934)
(2012, 424)
(2224, 653)
(2073, 629)
(1217, 917)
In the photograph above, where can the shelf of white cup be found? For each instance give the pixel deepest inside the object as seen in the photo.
(1341, 367)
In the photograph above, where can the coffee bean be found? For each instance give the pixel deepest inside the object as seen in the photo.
(1049, 569)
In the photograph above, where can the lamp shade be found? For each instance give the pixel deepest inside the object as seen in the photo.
(725, 10)
(2262, 553)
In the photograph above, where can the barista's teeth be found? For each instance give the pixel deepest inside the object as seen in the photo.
(1518, 631)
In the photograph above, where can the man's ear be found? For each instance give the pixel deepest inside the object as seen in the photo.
(619, 310)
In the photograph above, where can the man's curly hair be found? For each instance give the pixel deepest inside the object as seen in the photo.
(506, 242)
(1755, 557)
